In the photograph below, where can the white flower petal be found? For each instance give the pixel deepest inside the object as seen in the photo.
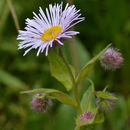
(27, 51)
(59, 42)
(47, 50)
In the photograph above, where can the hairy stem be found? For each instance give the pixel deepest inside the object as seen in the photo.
(75, 88)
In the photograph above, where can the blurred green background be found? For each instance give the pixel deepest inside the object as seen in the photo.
(107, 21)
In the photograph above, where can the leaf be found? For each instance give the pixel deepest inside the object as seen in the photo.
(59, 70)
(87, 104)
(60, 96)
(11, 81)
(88, 67)
(88, 99)
(105, 95)
(99, 118)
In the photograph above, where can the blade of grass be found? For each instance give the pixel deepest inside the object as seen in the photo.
(4, 17)
(13, 13)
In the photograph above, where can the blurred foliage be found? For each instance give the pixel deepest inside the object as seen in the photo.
(107, 21)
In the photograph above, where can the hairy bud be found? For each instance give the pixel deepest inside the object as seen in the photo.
(111, 59)
(106, 104)
(39, 104)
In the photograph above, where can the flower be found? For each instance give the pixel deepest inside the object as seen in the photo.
(111, 59)
(46, 29)
(40, 104)
(86, 116)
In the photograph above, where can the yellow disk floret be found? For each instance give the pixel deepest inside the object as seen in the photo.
(51, 33)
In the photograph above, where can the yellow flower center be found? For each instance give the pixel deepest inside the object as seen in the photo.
(51, 33)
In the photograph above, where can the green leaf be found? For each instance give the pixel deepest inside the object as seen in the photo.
(87, 104)
(99, 118)
(11, 81)
(59, 70)
(105, 95)
(89, 66)
(60, 96)
(88, 99)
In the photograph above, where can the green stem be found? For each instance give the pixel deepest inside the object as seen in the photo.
(75, 88)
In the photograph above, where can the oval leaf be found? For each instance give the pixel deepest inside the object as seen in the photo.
(88, 99)
(88, 67)
(60, 96)
(59, 70)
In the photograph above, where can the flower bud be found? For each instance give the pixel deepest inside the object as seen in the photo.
(86, 116)
(40, 104)
(111, 59)
(106, 105)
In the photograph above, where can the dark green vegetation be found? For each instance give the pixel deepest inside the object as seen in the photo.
(106, 22)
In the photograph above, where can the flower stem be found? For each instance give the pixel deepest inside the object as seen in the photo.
(75, 88)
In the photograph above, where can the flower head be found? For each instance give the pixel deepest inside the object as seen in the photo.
(39, 104)
(111, 59)
(46, 29)
(86, 116)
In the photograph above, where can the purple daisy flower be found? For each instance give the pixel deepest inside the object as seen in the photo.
(45, 29)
